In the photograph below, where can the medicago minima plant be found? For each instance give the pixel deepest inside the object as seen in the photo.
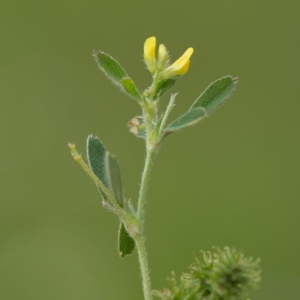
(221, 274)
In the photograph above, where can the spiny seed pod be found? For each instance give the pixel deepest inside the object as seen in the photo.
(223, 274)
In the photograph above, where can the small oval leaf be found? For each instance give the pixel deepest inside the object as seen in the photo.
(191, 117)
(130, 88)
(216, 93)
(114, 177)
(109, 66)
(164, 85)
(96, 153)
(126, 243)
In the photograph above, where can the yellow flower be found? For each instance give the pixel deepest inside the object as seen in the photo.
(149, 53)
(180, 66)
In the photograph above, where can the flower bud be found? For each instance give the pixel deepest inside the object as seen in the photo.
(149, 53)
(163, 57)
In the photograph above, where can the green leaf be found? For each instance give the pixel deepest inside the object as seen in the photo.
(106, 168)
(109, 66)
(96, 153)
(164, 85)
(113, 70)
(130, 88)
(191, 117)
(216, 93)
(126, 243)
(114, 177)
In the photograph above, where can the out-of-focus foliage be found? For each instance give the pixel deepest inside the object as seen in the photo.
(223, 274)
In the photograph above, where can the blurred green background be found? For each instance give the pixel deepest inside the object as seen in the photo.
(231, 180)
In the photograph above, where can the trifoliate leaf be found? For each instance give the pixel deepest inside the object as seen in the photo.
(106, 168)
(216, 93)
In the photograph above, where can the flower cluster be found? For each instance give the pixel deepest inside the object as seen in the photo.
(161, 64)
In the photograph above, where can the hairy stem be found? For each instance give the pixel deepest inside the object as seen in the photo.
(140, 245)
(149, 114)
(143, 187)
(166, 114)
(140, 239)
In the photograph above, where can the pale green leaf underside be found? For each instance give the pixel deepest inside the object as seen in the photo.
(114, 177)
(126, 243)
(216, 93)
(191, 117)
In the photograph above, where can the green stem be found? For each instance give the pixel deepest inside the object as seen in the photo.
(148, 121)
(139, 239)
(143, 187)
(166, 114)
(140, 245)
